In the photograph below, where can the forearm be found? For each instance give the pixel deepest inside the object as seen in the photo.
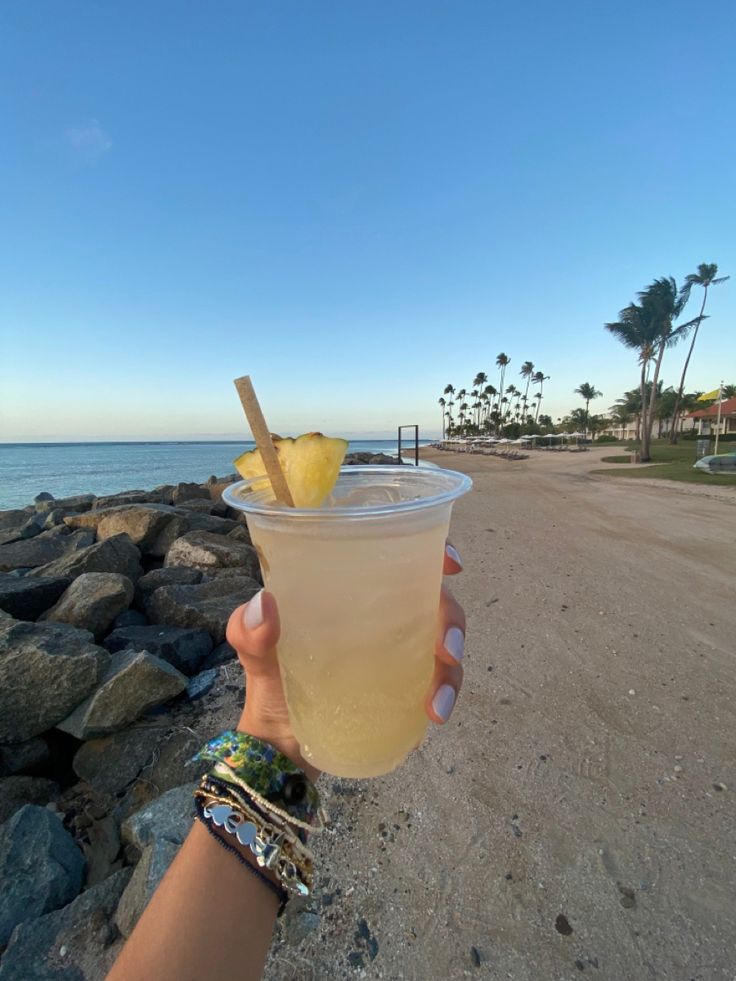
(209, 918)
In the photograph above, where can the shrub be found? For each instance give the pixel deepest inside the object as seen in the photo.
(608, 439)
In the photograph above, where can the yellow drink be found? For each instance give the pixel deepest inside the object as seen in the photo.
(357, 585)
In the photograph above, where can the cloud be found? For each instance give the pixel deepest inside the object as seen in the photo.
(89, 142)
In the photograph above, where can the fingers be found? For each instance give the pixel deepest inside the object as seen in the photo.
(253, 630)
(449, 651)
(446, 684)
(453, 563)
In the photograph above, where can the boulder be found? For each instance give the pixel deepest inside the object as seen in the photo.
(222, 654)
(189, 521)
(14, 517)
(172, 764)
(130, 618)
(187, 492)
(110, 763)
(149, 872)
(46, 670)
(126, 497)
(201, 684)
(101, 848)
(38, 551)
(240, 534)
(182, 647)
(151, 581)
(17, 791)
(167, 818)
(116, 554)
(71, 944)
(43, 496)
(80, 502)
(28, 528)
(134, 682)
(41, 867)
(208, 604)
(205, 551)
(27, 599)
(93, 601)
(203, 505)
(25, 756)
(52, 519)
(140, 522)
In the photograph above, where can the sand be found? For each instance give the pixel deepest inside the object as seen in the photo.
(576, 815)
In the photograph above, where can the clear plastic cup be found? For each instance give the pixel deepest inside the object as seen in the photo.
(357, 583)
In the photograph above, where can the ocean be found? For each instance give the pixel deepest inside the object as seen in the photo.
(64, 469)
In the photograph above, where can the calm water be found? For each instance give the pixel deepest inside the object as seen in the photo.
(63, 469)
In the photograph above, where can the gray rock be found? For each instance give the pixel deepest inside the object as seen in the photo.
(205, 551)
(52, 518)
(189, 521)
(27, 599)
(134, 682)
(17, 791)
(149, 872)
(27, 529)
(148, 584)
(297, 923)
(80, 502)
(46, 670)
(141, 523)
(222, 654)
(172, 764)
(130, 618)
(187, 492)
(93, 601)
(126, 497)
(201, 684)
(32, 552)
(74, 541)
(182, 647)
(202, 505)
(101, 847)
(168, 818)
(110, 763)
(165, 492)
(41, 867)
(116, 554)
(43, 496)
(70, 944)
(14, 517)
(241, 534)
(14, 759)
(208, 604)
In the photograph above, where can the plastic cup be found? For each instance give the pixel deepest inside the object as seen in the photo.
(357, 583)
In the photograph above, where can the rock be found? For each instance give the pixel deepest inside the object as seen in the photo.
(189, 521)
(205, 551)
(52, 518)
(116, 554)
(297, 923)
(188, 492)
(204, 505)
(43, 496)
(101, 849)
(208, 604)
(134, 682)
(33, 552)
(46, 670)
(168, 818)
(184, 648)
(148, 584)
(149, 872)
(127, 497)
(383, 458)
(141, 523)
(201, 684)
(93, 601)
(110, 763)
(222, 654)
(27, 529)
(17, 791)
(70, 944)
(173, 764)
(130, 618)
(75, 541)
(41, 867)
(80, 502)
(27, 599)
(25, 756)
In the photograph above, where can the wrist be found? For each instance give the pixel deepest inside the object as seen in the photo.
(284, 742)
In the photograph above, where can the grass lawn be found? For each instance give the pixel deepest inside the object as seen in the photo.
(671, 463)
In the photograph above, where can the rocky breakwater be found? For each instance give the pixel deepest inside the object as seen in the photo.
(113, 671)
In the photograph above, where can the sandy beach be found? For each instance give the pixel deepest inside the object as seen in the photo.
(576, 814)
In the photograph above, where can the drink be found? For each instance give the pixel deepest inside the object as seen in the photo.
(357, 583)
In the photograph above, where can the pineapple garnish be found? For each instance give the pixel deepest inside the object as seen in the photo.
(310, 463)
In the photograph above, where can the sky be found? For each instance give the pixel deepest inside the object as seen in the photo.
(355, 203)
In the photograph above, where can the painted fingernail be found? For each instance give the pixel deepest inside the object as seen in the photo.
(454, 643)
(444, 701)
(253, 615)
(452, 553)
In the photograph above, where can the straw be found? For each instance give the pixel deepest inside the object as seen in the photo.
(262, 436)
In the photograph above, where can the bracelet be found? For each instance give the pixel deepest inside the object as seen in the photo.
(265, 773)
(277, 890)
(223, 771)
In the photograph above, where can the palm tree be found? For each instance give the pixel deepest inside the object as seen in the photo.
(621, 414)
(527, 370)
(539, 378)
(705, 277)
(480, 380)
(502, 361)
(728, 391)
(443, 404)
(588, 392)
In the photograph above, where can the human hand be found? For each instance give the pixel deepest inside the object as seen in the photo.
(253, 630)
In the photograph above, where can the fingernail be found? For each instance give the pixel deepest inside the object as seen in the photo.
(444, 701)
(455, 643)
(253, 615)
(452, 552)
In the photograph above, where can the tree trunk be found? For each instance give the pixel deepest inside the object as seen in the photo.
(649, 414)
(641, 418)
(681, 389)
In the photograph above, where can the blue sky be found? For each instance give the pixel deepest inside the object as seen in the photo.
(355, 203)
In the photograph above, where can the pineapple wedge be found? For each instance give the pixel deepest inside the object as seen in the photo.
(311, 464)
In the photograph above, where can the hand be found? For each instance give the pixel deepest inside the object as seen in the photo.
(253, 630)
